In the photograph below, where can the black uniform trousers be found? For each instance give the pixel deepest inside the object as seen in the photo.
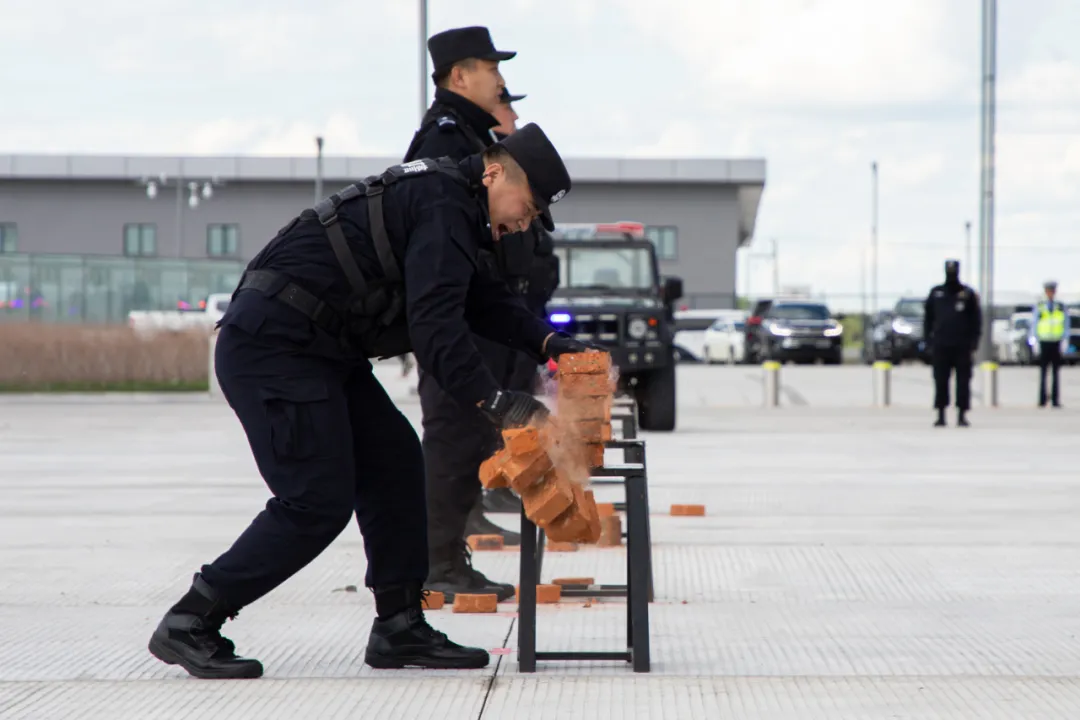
(457, 440)
(946, 360)
(1049, 357)
(329, 442)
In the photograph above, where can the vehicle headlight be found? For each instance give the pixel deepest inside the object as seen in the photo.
(637, 328)
(834, 330)
(779, 330)
(902, 326)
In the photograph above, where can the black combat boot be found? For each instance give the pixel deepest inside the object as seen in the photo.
(477, 524)
(940, 418)
(190, 636)
(401, 637)
(961, 419)
(451, 572)
(501, 500)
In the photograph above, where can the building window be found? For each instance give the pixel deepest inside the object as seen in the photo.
(222, 240)
(140, 239)
(666, 240)
(9, 238)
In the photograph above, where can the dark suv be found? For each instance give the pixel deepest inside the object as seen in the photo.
(796, 330)
(897, 335)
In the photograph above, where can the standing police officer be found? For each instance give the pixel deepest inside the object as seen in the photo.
(380, 268)
(456, 438)
(953, 327)
(1050, 327)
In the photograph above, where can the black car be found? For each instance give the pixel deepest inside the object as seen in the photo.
(795, 330)
(610, 292)
(897, 335)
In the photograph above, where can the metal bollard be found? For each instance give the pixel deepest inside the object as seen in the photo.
(990, 384)
(771, 383)
(882, 383)
(215, 388)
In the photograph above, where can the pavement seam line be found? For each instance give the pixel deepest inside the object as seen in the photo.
(494, 675)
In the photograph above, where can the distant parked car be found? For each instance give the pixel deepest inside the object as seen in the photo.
(800, 331)
(690, 328)
(725, 341)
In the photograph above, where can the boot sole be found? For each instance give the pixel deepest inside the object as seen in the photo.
(397, 663)
(170, 657)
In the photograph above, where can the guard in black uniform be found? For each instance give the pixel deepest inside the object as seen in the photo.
(382, 267)
(953, 327)
(456, 438)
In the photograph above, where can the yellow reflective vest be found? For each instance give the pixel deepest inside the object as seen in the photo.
(1049, 322)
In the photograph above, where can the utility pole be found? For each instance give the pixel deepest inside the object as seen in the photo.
(775, 270)
(423, 59)
(874, 238)
(318, 169)
(967, 245)
(986, 190)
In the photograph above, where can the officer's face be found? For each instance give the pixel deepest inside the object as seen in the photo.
(479, 81)
(510, 201)
(504, 113)
(1050, 292)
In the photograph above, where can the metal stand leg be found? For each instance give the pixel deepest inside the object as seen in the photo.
(527, 597)
(638, 569)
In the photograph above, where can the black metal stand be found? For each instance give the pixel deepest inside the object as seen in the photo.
(638, 590)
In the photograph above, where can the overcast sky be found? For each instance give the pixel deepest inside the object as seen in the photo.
(819, 88)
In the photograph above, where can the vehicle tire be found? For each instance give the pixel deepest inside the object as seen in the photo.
(655, 395)
(836, 358)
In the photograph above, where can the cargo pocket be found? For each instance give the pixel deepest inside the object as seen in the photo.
(292, 415)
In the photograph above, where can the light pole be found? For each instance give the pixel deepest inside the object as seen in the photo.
(874, 238)
(197, 189)
(423, 58)
(318, 169)
(986, 190)
(967, 245)
(775, 269)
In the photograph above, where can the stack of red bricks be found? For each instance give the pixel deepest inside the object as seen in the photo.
(549, 466)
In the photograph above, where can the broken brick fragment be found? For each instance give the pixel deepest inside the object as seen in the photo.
(592, 531)
(433, 600)
(593, 431)
(557, 546)
(476, 603)
(584, 408)
(547, 499)
(610, 531)
(573, 581)
(491, 471)
(688, 510)
(545, 594)
(584, 363)
(521, 441)
(522, 471)
(605, 509)
(573, 524)
(485, 542)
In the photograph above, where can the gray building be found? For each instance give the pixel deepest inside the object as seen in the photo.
(86, 238)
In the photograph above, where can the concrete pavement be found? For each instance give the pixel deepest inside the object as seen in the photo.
(854, 563)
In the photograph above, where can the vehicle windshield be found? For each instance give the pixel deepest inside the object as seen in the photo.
(605, 268)
(801, 311)
(1022, 324)
(911, 308)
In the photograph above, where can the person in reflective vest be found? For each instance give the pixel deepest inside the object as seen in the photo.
(1050, 329)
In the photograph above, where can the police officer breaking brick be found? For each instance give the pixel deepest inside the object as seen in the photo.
(382, 267)
(456, 439)
(953, 326)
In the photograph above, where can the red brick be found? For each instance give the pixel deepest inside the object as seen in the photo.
(485, 542)
(592, 430)
(573, 524)
(688, 510)
(545, 594)
(522, 441)
(585, 408)
(594, 455)
(476, 603)
(591, 534)
(525, 470)
(547, 499)
(558, 546)
(605, 509)
(584, 363)
(573, 581)
(491, 471)
(610, 531)
(433, 600)
(575, 386)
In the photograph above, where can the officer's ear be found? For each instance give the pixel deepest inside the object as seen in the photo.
(491, 172)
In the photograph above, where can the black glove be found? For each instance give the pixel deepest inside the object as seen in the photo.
(511, 408)
(561, 343)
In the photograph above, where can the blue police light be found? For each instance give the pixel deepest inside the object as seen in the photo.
(560, 318)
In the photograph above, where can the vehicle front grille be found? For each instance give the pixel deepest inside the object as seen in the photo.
(604, 327)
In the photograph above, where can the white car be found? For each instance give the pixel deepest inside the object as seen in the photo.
(725, 341)
(690, 327)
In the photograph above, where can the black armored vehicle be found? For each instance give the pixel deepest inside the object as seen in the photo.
(610, 293)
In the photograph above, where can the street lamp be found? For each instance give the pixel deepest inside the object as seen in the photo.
(874, 238)
(201, 188)
(423, 59)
